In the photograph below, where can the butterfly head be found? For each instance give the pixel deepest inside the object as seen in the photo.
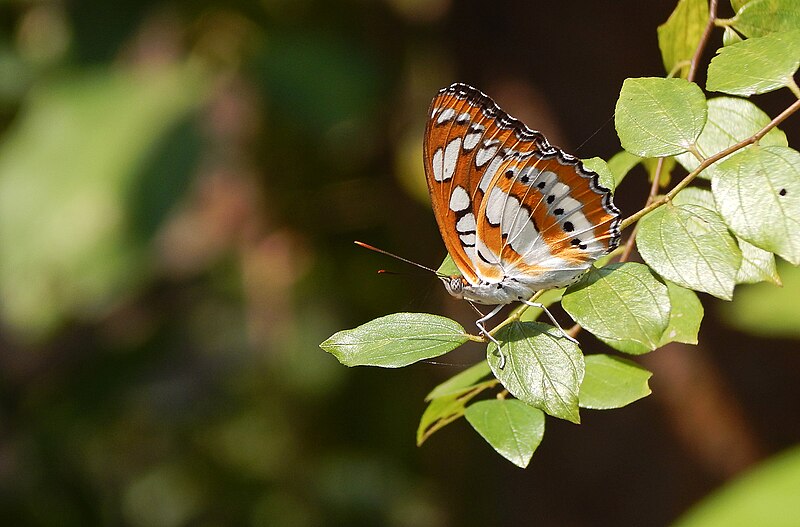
(455, 285)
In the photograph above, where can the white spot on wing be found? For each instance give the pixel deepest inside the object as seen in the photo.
(466, 223)
(463, 118)
(559, 190)
(568, 204)
(485, 154)
(437, 164)
(471, 140)
(491, 170)
(445, 115)
(548, 177)
(459, 200)
(516, 223)
(468, 239)
(528, 175)
(451, 158)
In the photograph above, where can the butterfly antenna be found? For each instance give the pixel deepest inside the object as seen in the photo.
(594, 134)
(387, 253)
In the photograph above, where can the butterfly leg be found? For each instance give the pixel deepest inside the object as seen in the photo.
(552, 319)
(480, 323)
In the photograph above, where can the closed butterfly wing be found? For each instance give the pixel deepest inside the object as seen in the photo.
(464, 139)
(508, 204)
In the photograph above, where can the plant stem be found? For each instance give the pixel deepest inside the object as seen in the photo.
(712, 17)
(792, 85)
(654, 186)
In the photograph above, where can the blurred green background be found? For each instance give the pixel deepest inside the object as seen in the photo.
(180, 186)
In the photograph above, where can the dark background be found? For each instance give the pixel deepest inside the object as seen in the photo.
(187, 387)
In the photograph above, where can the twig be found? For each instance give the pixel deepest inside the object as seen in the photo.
(712, 16)
(654, 186)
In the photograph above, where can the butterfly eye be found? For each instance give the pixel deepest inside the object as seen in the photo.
(456, 285)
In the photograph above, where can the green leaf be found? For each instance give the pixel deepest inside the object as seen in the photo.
(612, 382)
(542, 368)
(762, 17)
(513, 428)
(622, 304)
(680, 34)
(766, 310)
(396, 340)
(691, 246)
(605, 178)
(755, 65)
(622, 163)
(766, 495)
(685, 316)
(757, 192)
(651, 165)
(438, 414)
(445, 409)
(695, 196)
(658, 117)
(448, 267)
(730, 36)
(461, 382)
(757, 264)
(730, 120)
(738, 4)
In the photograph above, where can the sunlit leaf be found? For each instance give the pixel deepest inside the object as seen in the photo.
(542, 368)
(612, 382)
(738, 4)
(513, 428)
(396, 340)
(448, 267)
(730, 36)
(685, 316)
(756, 65)
(439, 413)
(620, 164)
(679, 36)
(623, 304)
(762, 17)
(691, 246)
(445, 409)
(730, 120)
(461, 382)
(658, 117)
(757, 264)
(757, 192)
(605, 177)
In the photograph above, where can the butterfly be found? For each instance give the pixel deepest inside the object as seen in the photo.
(517, 215)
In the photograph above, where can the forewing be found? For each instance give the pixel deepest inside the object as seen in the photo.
(465, 138)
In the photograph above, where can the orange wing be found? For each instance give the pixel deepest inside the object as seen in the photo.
(461, 147)
(506, 201)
